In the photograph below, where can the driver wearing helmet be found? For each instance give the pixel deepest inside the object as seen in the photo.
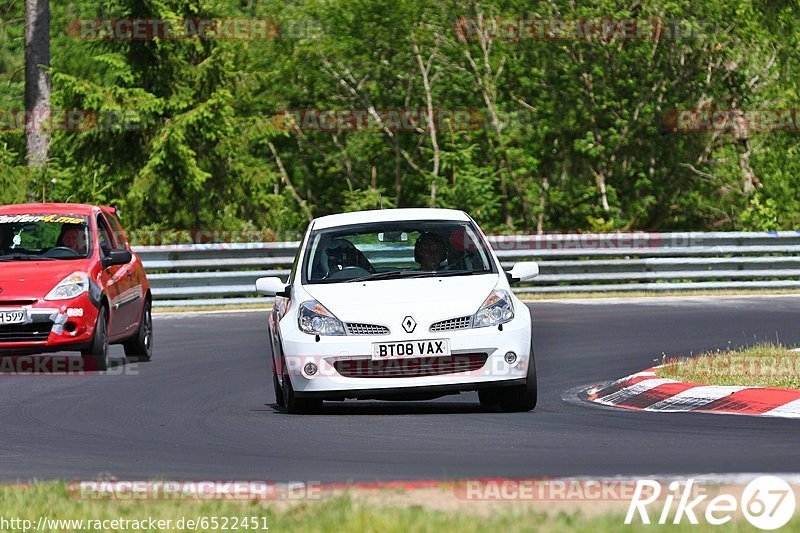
(430, 251)
(341, 254)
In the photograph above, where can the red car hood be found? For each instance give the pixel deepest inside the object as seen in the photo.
(34, 279)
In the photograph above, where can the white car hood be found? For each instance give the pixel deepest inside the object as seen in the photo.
(388, 302)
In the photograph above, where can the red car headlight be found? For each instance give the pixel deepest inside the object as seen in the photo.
(70, 287)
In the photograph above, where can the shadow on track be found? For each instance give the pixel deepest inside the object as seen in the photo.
(365, 407)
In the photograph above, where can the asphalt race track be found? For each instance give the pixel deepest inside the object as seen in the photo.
(204, 409)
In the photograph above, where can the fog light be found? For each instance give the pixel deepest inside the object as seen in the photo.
(310, 369)
(510, 358)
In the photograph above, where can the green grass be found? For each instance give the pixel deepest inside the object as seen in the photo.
(262, 306)
(762, 365)
(266, 306)
(657, 294)
(344, 513)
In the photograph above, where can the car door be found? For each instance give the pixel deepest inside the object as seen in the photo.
(117, 282)
(133, 277)
(279, 309)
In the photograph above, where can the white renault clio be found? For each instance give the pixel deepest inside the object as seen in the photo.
(399, 304)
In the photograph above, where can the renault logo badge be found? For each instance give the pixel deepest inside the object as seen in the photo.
(409, 324)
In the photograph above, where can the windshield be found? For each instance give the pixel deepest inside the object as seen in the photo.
(391, 250)
(29, 237)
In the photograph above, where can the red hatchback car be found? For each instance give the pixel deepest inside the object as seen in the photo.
(69, 281)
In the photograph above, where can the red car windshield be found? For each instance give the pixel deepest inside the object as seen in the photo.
(37, 236)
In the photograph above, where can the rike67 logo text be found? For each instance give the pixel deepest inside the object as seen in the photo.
(766, 502)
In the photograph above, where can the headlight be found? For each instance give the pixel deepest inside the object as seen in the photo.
(314, 319)
(73, 285)
(497, 309)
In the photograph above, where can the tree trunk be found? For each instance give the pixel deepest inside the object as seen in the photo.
(600, 180)
(37, 80)
(431, 126)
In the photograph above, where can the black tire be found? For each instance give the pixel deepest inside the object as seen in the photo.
(97, 354)
(521, 398)
(488, 397)
(140, 346)
(276, 386)
(294, 405)
(278, 390)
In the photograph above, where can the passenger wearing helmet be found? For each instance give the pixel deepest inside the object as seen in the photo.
(342, 254)
(430, 251)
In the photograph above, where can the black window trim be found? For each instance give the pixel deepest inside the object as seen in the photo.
(314, 232)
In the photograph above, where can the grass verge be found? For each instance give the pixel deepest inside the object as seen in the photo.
(657, 294)
(212, 308)
(762, 365)
(344, 512)
(528, 297)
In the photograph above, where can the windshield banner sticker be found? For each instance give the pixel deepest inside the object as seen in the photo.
(52, 219)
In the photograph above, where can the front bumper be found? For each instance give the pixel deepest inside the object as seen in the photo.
(428, 392)
(354, 351)
(50, 327)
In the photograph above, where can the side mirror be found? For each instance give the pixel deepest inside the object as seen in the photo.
(117, 257)
(523, 272)
(272, 287)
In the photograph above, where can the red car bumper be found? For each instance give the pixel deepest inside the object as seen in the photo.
(50, 327)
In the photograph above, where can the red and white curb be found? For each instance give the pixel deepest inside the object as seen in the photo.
(645, 391)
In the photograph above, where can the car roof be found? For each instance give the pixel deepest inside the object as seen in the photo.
(388, 215)
(55, 209)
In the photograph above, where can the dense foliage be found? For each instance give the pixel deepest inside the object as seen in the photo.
(567, 133)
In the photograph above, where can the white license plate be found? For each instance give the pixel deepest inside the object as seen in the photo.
(407, 349)
(12, 317)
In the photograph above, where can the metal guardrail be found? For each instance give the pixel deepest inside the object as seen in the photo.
(222, 274)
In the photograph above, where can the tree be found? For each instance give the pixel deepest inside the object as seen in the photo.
(37, 80)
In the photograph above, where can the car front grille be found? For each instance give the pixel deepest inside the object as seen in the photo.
(410, 368)
(16, 303)
(37, 331)
(366, 329)
(463, 322)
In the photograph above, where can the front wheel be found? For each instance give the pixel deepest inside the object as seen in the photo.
(489, 397)
(521, 398)
(140, 346)
(276, 386)
(98, 354)
(294, 405)
(278, 391)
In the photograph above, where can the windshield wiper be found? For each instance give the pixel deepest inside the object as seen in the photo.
(392, 274)
(24, 257)
(445, 273)
(411, 274)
